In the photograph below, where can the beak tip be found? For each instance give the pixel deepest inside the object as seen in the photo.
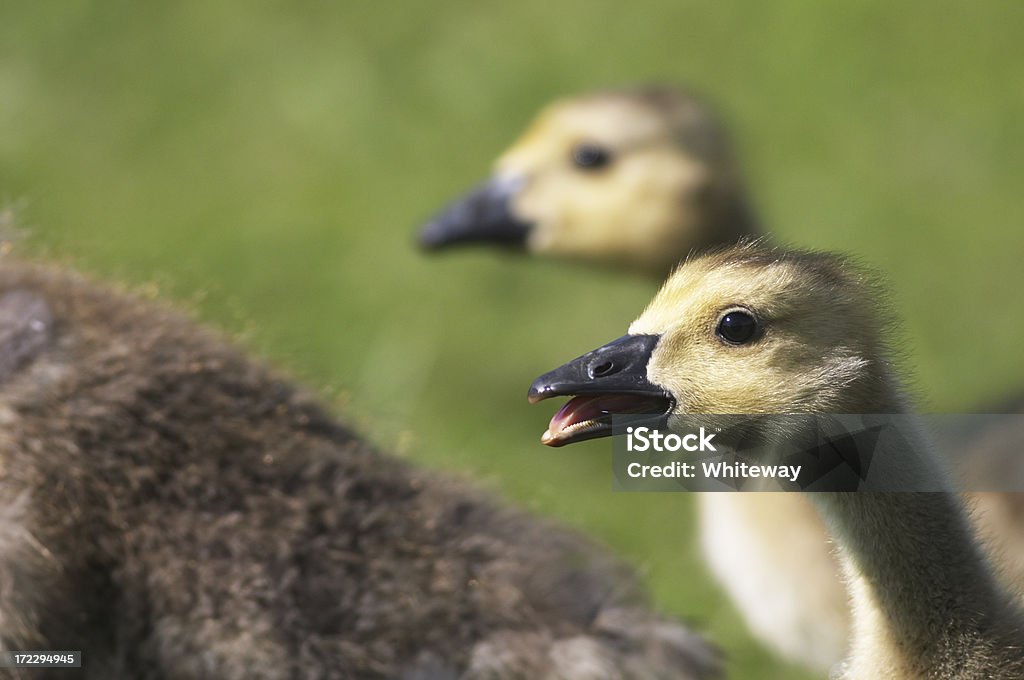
(538, 392)
(427, 239)
(551, 439)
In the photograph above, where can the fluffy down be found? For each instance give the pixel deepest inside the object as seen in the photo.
(175, 510)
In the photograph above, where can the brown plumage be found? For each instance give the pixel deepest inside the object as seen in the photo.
(176, 510)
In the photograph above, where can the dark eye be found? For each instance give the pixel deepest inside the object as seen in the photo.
(737, 327)
(591, 156)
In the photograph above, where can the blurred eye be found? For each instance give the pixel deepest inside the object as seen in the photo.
(737, 327)
(590, 156)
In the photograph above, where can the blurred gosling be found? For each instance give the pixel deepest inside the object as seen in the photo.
(175, 510)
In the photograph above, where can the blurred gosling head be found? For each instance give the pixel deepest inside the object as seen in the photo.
(634, 177)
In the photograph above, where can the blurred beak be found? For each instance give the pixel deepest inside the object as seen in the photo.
(483, 215)
(609, 381)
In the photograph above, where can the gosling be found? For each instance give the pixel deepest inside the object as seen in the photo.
(175, 510)
(754, 330)
(633, 178)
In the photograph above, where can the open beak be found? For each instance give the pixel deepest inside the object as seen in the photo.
(609, 381)
(483, 215)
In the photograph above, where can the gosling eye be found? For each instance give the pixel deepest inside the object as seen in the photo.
(737, 327)
(590, 156)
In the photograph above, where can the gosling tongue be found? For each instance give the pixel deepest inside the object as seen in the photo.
(594, 409)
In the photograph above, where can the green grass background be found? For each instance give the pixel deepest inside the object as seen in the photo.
(265, 163)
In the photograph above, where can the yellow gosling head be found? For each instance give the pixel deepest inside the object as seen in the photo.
(637, 178)
(745, 330)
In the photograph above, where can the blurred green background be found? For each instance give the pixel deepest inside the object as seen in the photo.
(265, 163)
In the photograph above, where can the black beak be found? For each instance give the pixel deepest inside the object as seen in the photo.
(483, 215)
(611, 380)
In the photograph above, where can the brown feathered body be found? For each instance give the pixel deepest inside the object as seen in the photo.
(175, 510)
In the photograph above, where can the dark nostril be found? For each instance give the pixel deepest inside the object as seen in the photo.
(602, 369)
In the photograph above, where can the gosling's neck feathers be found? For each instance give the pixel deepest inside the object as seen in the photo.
(728, 218)
(923, 592)
(925, 597)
